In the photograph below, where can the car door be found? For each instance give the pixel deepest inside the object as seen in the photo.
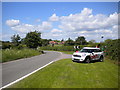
(97, 53)
(94, 54)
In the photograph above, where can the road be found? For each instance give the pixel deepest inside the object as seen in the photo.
(14, 70)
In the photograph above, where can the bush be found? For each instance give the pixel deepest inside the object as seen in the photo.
(58, 48)
(6, 45)
(112, 49)
(21, 46)
(62, 48)
(13, 54)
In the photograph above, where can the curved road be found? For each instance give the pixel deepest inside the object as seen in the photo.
(14, 70)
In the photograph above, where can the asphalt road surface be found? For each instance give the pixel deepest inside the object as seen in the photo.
(14, 70)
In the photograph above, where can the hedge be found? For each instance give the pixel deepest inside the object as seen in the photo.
(112, 49)
(63, 48)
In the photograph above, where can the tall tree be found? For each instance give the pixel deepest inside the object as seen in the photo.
(16, 39)
(62, 40)
(69, 42)
(81, 40)
(33, 39)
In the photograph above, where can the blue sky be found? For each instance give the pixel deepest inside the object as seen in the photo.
(52, 19)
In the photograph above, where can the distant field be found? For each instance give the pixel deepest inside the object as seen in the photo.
(67, 74)
(13, 54)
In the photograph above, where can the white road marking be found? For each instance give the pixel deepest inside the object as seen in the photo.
(29, 73)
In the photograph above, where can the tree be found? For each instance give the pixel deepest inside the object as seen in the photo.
(16, 39)
(49, 39)
(69, 42)
(44, 42)
(57, 40)
(108, 40)
(62, 40)
(6, 44)
(80, 41)
(33, 39)
(92, 42)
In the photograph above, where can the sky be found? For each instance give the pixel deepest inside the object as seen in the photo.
(61, 20)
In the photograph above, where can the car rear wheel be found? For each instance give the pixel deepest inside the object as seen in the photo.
(101, 59)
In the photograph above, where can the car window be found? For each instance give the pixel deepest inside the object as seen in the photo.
(97, 50)
(90, 50)
(87, 50)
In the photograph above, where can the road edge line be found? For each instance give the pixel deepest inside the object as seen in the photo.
(29, 73)
(25, 76)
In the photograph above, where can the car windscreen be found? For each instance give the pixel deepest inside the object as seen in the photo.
(90, 50)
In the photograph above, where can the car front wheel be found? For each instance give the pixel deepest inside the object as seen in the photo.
(87, 60)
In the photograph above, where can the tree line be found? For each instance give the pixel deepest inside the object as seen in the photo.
(34, 40)
(31, 40)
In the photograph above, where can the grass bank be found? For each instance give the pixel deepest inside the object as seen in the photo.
(0, 55)
(67, 52)
(13, 54)
(67, 74)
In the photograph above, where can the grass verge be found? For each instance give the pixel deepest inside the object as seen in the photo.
(0, 55)
(13, 54)
(67, 74)
(67, 52)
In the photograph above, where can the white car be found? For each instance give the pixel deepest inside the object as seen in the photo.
(88, 54)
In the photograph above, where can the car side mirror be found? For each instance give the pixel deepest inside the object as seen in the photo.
(93, 53)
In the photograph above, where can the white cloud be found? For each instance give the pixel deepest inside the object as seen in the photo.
(87, 22)
(37, 20)
(56, 35)
(54, 18)
(86, 11)
(12, 22)
(56, 30)
(89, 25)
(84, 23)
(46, 25)
(24, 28)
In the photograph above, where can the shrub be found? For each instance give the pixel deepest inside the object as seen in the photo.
(112, 49)
(21, 46)
(6, 45)
(62, 48)
(13, 54)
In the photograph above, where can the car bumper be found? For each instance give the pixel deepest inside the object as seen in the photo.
(77, 59)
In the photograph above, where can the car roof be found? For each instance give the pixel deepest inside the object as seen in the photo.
(90, 48)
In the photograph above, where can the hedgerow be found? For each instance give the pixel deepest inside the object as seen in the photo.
(112, 49)
(63, 48)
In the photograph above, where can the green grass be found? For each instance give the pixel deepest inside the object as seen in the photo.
(59, 45)
(13, 54)
(67, 74)
(0, 55)
(67, 52)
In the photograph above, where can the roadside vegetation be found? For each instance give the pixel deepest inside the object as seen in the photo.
(64, 73)
(67, 52)
(110, 47)
(67, 74)
(0, 55)
(63, 48)
(22, 47)
(14, 54)
(34, 41)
